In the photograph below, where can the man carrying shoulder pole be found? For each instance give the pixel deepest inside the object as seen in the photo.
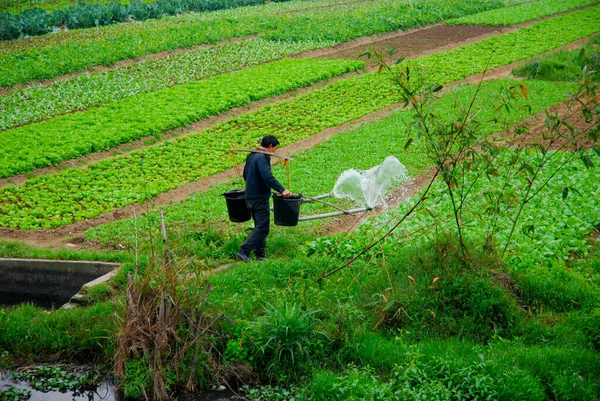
(259, 182)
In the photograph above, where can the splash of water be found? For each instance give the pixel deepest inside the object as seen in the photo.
(369, 187)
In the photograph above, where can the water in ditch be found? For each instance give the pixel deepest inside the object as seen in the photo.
(369, 187)
(23, 390)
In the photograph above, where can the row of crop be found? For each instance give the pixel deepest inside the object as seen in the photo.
(340, 23)
(73, 135)
(30, 104)
(99, 186)
(521, 13)
(78, 194)
(316, 170)
(37, 21)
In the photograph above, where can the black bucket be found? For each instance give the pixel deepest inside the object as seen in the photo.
(286, 210)
(236, 206)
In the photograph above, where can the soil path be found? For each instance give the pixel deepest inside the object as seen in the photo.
(438, 40)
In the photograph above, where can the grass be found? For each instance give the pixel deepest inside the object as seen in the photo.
(561, 65)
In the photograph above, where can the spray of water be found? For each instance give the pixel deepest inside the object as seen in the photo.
(369, 187)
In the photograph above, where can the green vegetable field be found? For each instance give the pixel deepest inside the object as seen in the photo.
(454, 252)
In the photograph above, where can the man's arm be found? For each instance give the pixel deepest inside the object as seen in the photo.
(264, 167)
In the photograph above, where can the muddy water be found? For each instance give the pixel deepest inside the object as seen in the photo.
(105, 392)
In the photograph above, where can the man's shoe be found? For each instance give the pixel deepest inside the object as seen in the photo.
(261, 258)
(243, 258)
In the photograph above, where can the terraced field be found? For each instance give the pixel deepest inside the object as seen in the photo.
(108, 129)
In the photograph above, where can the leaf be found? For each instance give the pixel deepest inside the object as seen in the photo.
(524, 91)
(493, 171)
(407, 144)
(413, 280)
(435, 279)
(587, 161)
(565, 193)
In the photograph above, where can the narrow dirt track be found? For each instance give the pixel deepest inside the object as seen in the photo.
(411, 44)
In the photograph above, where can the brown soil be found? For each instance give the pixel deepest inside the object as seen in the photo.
(560, 139)
(412, 44)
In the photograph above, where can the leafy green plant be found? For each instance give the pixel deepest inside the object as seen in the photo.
(14, 393)
(53, 378)
(272, 393)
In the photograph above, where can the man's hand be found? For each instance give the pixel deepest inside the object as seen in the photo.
(286, 193)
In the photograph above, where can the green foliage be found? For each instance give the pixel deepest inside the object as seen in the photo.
(285, 339)
(520, 13)
(272, 393)
(77, 333)
(98, 293)
(136, 383)
(78, 134)
(445, 295)
(592, 328)
(563, 65)
(14, 249)
(427, 378)
(13, 393)
(555, 288)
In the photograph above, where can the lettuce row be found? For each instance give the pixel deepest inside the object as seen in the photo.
(73, 135)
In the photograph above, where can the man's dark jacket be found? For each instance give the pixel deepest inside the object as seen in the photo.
(259, 178)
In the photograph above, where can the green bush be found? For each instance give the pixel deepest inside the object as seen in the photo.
(447, 294)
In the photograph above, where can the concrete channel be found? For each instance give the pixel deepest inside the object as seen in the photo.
(50, 283)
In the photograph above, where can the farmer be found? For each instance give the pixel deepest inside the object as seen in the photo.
(259, 182)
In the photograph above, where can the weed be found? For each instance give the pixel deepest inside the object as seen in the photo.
(284, 339)
(13, 393)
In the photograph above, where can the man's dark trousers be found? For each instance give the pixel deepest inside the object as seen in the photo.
(262, 218)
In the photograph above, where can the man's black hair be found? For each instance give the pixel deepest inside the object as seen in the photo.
(268, 141)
